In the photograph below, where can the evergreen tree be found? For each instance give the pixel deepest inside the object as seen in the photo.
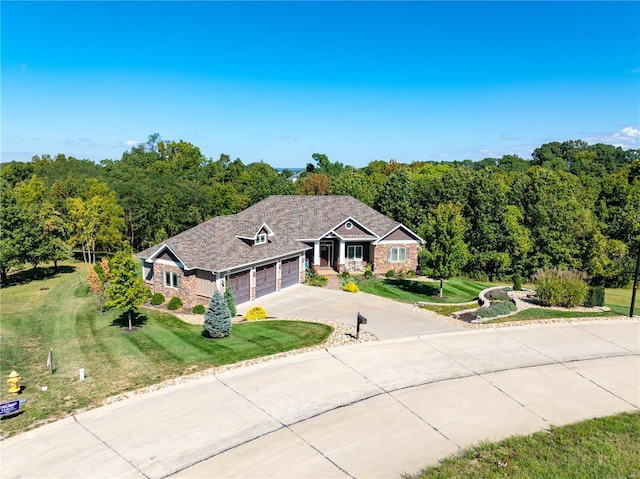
(231, 301)
(217, 319)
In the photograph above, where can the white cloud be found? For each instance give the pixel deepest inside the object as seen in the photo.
(626, 138)
(132, 142)
(628, 132)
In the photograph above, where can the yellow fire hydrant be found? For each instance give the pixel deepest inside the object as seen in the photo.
(14, 382)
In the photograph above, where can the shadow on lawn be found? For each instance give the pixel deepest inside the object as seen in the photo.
(415, 287)
(37, 274)
(137, 320)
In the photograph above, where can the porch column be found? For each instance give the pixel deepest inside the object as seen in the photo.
(341, 258)
(219, 282)
(316, 253)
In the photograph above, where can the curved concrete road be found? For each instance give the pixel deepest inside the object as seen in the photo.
(369, 410)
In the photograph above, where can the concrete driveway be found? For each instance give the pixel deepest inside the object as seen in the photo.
(369, 410)
(386, 319)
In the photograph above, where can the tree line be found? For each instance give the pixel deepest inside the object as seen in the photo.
(572, 205)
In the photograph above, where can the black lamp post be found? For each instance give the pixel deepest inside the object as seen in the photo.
(635, 284)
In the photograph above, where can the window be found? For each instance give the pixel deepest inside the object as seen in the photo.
(354, 253)
(348, 225)
(172, 280)
(398, 255)
(261, 239)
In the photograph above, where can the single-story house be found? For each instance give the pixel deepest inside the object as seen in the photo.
(268, 246)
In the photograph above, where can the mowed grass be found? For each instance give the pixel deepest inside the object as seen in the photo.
(619, 300)
(65, 318)
(448, 310)
(532, 314)
(597, 448)
(413, 291)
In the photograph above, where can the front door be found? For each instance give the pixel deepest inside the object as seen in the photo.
(326, 254)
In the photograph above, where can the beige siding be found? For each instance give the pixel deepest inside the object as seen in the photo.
(147, 271)
(168, 256)
(206, 283)
(354, 232)
(399, 235)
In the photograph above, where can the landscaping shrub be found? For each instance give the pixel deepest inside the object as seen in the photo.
(390, 274)
(255, 313)
(368, 272)
(231, 301)
(316, 280)
(410, 274)
(556, 287)
(217, 319)
(345, 275)
(595, 297)
(351, 287)
(174, 303)
(498, 295)
(198, 309)
(496, 309)
(517, 282)
(157, 299)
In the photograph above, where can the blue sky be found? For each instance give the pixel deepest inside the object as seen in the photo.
(358, 81)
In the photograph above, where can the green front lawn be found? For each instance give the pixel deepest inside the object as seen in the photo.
(603, 448)
(413, 291)
(619, 300)
(65, 318)
(543, 313)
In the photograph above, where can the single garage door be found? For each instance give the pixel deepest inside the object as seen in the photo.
(265, 279)
(240, 284)
(290, 272)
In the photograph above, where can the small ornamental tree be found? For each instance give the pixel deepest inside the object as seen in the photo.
(217, 319)
(126, 290)
(446, 253)
(98, 277)
(231, 301)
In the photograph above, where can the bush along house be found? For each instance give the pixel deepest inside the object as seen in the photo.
(268, 246)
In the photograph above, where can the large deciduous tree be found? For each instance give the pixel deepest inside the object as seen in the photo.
(314, 184)
(355, 183)
(97, 221)
(445, 252)
(11, 221)
(398, 200)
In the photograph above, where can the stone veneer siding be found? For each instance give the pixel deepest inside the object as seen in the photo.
(188, 285)
(382, 264)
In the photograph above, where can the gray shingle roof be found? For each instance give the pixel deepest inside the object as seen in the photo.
(214, 245)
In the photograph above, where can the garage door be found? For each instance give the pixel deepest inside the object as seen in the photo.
(240, 286)
(265, 280)
(290, 272)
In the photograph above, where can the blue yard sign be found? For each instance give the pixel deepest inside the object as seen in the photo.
(10, 407)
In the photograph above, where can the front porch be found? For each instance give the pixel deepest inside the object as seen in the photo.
(338, 255)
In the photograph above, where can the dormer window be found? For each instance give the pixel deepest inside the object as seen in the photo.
(261, 239)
